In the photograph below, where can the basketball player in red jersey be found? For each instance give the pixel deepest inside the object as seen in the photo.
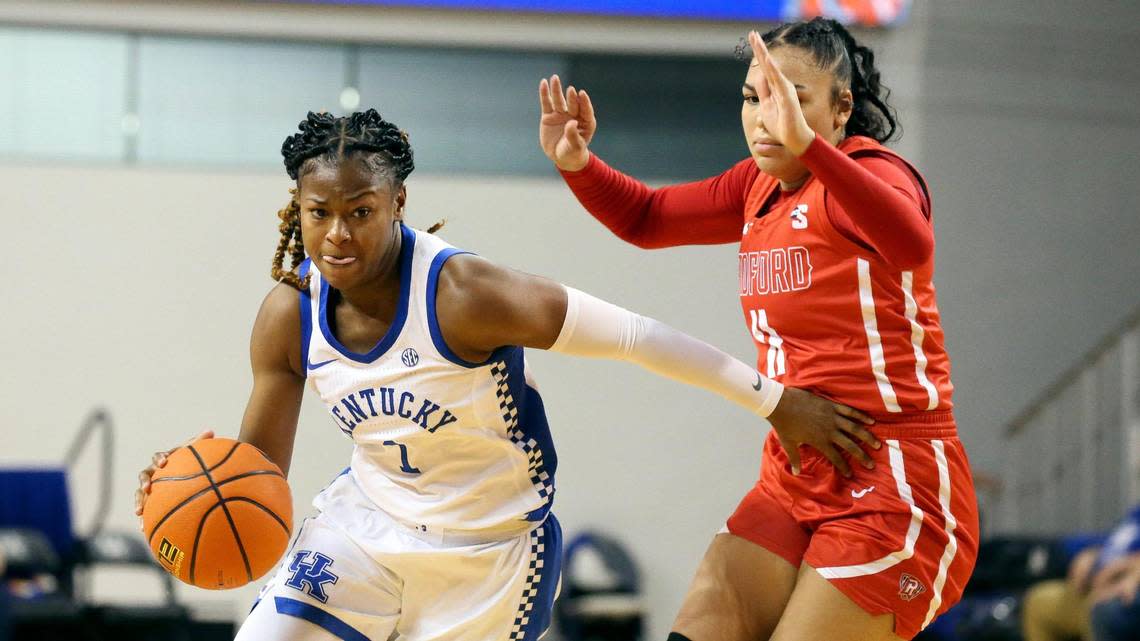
(836, 260)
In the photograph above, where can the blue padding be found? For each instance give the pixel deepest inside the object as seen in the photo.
(318, 617)
(1114, 620)
(38, 499)
(1074, 544)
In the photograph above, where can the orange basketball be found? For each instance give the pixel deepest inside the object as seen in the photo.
(219, 514)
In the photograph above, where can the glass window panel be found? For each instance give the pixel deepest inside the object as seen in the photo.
(64, 93)
(230, 102)
(665, 117)
(464, 111)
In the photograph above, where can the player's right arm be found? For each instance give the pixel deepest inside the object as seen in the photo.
(270, 421)
(482, 306)
(706, 212)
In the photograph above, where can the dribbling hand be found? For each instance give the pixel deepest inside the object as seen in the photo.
(157, 461)
(802, 418)
(567, 124)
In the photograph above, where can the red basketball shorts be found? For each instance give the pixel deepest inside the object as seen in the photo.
(900, 539)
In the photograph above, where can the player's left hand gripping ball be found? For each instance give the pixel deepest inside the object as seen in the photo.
(219, 514)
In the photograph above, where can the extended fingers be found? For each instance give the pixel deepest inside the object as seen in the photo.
(793, 452)
(778, 84)
(572, 106)
(836, 459)
(544, 100)
(854, 450)
(585, 110)
(759, 51)
(557, 95)
(858, 431)
(851, 412)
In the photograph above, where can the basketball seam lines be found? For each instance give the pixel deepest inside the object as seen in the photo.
(229, 517)
(263, 508)
(199, 493)
(197, 474)
(198, 537)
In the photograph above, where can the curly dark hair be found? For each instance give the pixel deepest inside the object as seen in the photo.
(835, 48)
(324, 138)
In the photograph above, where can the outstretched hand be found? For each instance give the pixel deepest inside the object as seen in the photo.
(779, 107)
(567, 124)
(802, 418)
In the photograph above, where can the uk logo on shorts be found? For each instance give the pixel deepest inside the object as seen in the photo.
(312, 575)
(910, 587)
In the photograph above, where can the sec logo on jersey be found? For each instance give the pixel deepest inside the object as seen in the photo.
(410, 357)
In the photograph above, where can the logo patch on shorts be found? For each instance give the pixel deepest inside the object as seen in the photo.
(910, 587)
(311, 576)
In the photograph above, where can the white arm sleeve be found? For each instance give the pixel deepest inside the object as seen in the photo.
(597, 329)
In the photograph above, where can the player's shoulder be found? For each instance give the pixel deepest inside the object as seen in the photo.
(279, 318)
(863, 147)
(477, 290)
(276, 337)
(467, 278)
(281, 302)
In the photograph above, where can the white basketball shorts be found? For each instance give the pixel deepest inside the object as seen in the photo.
(355, 574)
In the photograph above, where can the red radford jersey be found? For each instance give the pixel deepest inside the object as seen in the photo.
(831, 316)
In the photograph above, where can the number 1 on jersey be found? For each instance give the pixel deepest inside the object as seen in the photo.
(763, 333)
(405, 465)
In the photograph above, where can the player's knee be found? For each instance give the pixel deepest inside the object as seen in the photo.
(714, 605)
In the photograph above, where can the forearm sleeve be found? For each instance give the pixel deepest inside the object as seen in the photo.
(597, 329)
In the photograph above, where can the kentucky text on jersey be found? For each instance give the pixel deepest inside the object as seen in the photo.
(372, 402)
(774, 271)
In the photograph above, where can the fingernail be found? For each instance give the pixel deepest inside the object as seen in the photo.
(869, 465)
(796, 470)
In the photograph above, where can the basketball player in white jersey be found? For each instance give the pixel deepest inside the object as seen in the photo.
(440, 529)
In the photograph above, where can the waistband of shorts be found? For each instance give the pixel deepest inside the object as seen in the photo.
(445, 536)
(346, 493)
(919, 425)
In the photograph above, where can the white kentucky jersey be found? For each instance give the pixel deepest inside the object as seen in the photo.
(440, 443)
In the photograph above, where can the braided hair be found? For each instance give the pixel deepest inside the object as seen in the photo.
(853, 65)
(325, 139)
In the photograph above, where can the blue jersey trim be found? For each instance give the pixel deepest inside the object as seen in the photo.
(306, 318)
(406, 250)
(524, 417)
(534, 425)
(433, 321)
(549, 567)
(318, 617)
